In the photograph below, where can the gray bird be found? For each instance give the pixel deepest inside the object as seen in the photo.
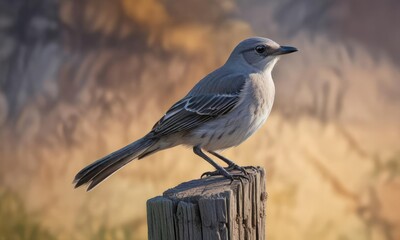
(221, 111)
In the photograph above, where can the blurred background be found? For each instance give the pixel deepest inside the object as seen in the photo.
(79, 79)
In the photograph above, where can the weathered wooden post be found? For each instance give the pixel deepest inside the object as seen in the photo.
(210, 208)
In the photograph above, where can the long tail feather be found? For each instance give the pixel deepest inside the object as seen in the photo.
(98, 171)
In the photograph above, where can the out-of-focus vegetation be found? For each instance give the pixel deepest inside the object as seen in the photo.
(79, 79)
(16, 223)
(19, 224)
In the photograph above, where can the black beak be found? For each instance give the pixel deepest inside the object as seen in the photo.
(285, 50)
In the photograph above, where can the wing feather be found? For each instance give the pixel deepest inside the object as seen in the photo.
(194, 110)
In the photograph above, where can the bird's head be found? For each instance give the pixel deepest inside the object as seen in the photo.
(260, 53)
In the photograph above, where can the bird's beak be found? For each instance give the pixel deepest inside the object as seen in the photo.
(285, 50)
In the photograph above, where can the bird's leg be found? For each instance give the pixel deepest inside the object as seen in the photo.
(231, 165)
(220, 170)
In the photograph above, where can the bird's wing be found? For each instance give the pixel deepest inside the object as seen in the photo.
(192, 111)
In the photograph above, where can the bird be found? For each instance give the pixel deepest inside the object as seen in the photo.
(221, 111)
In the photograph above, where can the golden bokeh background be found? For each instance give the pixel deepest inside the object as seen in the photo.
(79, 79)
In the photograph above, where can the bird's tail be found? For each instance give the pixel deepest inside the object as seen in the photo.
(98, 171)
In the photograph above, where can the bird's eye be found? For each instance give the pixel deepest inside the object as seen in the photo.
(260, 48)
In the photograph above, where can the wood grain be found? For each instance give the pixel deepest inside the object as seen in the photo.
(210, 208)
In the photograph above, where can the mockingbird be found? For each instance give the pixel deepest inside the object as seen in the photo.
(221, 111)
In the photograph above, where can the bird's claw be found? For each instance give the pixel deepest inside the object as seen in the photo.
(239, 168)
(234, 167)
(243, 175)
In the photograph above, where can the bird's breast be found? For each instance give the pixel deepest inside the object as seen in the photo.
(260, 98)
(246, 118)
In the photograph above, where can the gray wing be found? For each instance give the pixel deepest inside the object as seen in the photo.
(193, 110)
(221, 81)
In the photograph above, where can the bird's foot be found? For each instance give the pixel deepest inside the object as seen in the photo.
(233, 167)
(224, 172)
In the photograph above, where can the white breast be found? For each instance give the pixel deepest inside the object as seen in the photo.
(235, 127)
(261, 99)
